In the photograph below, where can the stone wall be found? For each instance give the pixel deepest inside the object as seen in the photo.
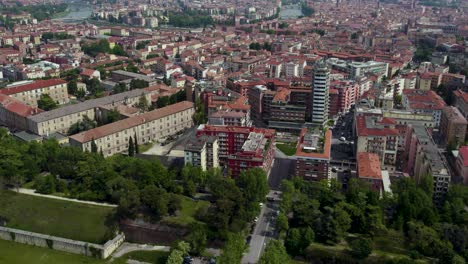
(62, 244)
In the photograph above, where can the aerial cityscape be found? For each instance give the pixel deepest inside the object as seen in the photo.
(233, 131)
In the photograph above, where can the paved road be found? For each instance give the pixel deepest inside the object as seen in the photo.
(32, 192)
(130, 247)
(283, 168)
(263, 232)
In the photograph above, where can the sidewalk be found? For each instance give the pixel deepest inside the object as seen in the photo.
(32, 192)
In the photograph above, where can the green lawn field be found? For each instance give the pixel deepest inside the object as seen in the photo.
(187, 213)
(16, 253)
(55, 217)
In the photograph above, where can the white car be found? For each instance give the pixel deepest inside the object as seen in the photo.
(261, 205)
(342, 139)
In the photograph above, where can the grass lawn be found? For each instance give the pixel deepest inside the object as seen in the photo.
(288, 149)
(54, 217)
(156, 257)
(187, 213)
(16, 253)
(145, 147)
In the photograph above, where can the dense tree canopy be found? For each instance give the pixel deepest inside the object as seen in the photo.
(332, 214)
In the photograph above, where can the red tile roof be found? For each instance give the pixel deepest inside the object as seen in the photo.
(31, 86)
(421, 99)
(369, 166)
(326, 154)
(461, 94)
(18, 107)
(363, 130)
(463, 152)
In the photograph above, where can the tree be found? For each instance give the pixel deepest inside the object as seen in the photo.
(138, 84)
(137, 147)
(93, 146)
(131, 147)
(118, 50)
(119, 88)
(176, 257)
(397, 99)
(72, 87)
(197, 238)
(298, 239)
(282, 224)
(112, 116)
(233, 249)
(143, 103)
(46, 103)
(283, 25)
(83, 125)
(132, 68)
(361, 247)
(425, 240)
(45, 185)
(275, 253)
(254, 184)
(156, 199)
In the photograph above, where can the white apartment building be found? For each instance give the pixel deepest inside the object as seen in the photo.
(151, 126)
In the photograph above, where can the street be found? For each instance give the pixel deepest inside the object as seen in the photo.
(263, 232)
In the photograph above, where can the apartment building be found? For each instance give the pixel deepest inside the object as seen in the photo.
(453, 126)
(61, 119)
(357, 69)
(343, 94)
(425, 159)
(461, 101)
(232, 153)
(29, 92)
(14, 113)
(229, 118)
(313, 154)
(424, 102)
(461, 164)
(216, 99)
(319, 104)
(369, 170)
(151, 126)
(202, 152)
(256, 152)
(376, 134)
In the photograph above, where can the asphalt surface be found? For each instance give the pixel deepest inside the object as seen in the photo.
(263, 232)
(283, 168)
(343, 150)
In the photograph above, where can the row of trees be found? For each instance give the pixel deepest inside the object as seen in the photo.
(188, 20)
(321, 212)
(135, 185)
(102, 46)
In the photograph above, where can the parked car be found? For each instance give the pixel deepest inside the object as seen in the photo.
(342, 139)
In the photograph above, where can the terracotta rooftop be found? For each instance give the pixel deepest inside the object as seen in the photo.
(373, 126)
(115, 127)
(325, 155)
(18, 107)
(463, 152)
(369, 166)
(31, 86)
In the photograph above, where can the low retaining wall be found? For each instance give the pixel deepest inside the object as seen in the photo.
(62, 244)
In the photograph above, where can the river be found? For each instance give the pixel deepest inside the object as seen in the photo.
(78, 11)
(290, 11)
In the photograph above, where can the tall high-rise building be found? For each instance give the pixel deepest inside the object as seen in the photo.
(320, 93)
